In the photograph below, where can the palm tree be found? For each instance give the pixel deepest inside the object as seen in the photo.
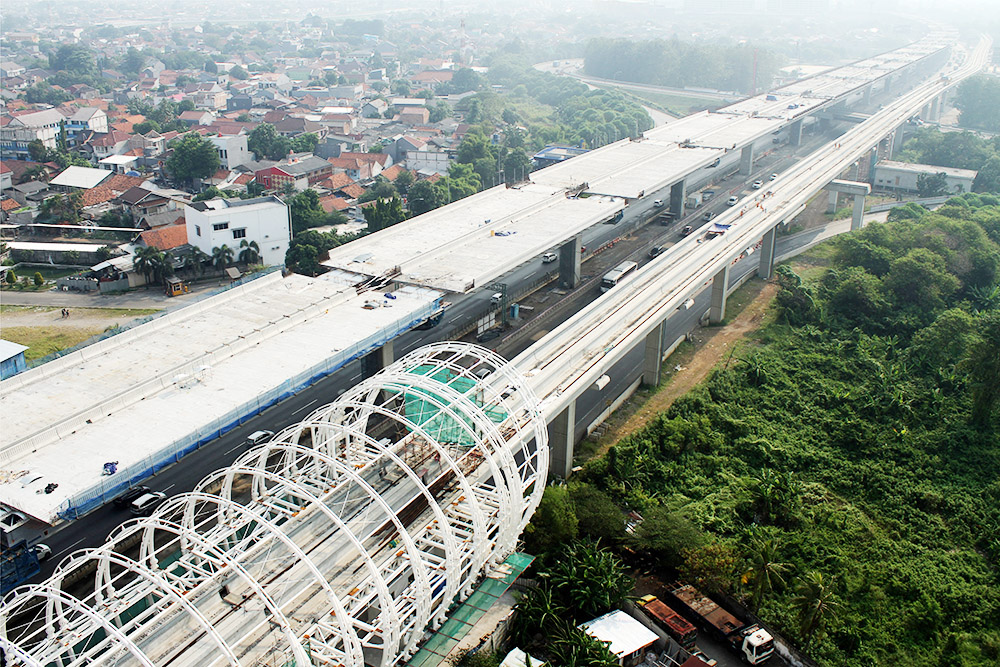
(196, 260)
(163, 266)
(592, 579)
(538, 609)
(145, 260)
(222, 256)
(765, 569)
(814, 603)
(250, 253)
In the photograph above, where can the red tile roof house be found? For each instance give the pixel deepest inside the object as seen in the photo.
(111, 188)
(110, 143)
(353, 167)
(300, 172)
(140, 201)
(332, 203)
(377, 161)
(165, 238)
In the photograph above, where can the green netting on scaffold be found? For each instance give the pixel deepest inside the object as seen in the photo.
(419, 407)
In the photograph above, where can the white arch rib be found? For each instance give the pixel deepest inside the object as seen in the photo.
(350, 544)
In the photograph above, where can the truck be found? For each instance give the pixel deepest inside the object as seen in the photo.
(754, 644)
(17, 564)
(669, 621)
(664, 218)
(693, 200)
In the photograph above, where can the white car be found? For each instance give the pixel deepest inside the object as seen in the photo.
(549, 257)
(258, 437)
(146, 503)
(658, 203)
(42, 551)
(733, 201)
(758, 184)
(773, 176)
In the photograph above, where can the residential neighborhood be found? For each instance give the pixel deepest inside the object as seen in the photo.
(134, 128)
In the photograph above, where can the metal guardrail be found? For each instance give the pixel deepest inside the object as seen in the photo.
(929, 201)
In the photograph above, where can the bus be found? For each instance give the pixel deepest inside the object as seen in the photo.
(614, 276)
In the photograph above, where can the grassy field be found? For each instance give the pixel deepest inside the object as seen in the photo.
(679, 105)
(44, 331)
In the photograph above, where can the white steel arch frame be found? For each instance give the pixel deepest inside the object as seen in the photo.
(339, 542)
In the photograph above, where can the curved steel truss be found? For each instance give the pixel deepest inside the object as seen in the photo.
(339, 542)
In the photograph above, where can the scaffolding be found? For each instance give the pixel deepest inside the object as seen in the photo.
(340, 542)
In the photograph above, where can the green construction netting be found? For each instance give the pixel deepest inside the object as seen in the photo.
(447, 429)
(463, 618)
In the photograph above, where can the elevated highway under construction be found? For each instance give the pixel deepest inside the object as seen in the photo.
(350, 533)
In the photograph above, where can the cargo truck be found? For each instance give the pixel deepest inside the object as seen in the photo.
(18, 563)
(754, 644)
(669, 621)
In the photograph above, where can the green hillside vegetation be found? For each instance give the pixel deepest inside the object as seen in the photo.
(554, 109)
(840, 474)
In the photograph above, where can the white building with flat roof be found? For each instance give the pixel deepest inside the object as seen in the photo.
(232, 149)
(217, 222)
(626, 638)
(902, 176)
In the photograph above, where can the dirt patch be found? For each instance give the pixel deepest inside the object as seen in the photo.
(711, 345)
(45, 330)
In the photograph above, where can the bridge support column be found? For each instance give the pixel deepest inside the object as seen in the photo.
(720, 283)
(654, 356)
(896, 142)
(766, 269)
(376, 360)
(858, 215)
(569, 262)
(866, 96)
(831, 204)
(795, 133)
(936, 109)
(562, 442)
(746, 160)
(678, 192)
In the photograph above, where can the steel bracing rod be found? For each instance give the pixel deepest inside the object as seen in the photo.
(304, 545)
(283, 484)
(116, 639)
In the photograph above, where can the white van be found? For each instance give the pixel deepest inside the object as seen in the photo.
(258, 437)
(146, 503)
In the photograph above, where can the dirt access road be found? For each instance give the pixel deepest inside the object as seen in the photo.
(711, 345)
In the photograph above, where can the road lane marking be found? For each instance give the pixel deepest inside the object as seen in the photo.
(305, 406)
(69, 547)
(229, 451)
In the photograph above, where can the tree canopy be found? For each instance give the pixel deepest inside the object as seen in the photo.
(676, 63)
(978, 100)
(265, 142)
(192, 157)
(840, 471)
